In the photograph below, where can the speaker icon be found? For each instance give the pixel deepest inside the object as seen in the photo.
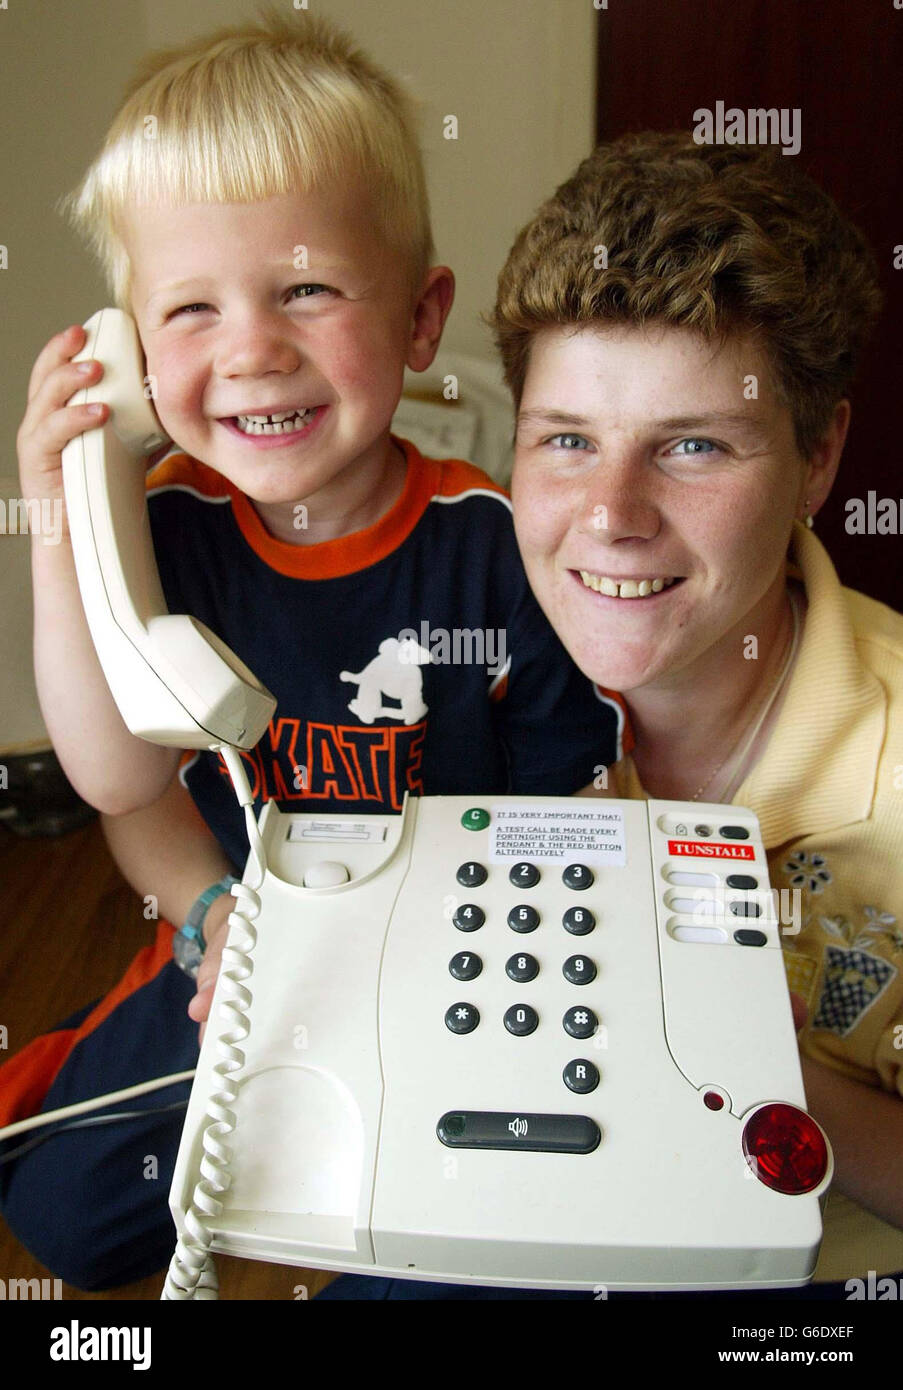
(518, 1127)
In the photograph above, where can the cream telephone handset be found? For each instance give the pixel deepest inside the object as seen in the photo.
(174, 680)
(533, 1041)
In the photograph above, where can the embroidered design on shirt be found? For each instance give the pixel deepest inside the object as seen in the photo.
(801, 971)
(394, 673)
(852, 981)
(808, 871)
(880, 925)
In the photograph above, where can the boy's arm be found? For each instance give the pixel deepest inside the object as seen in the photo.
(865, 1126)
(107, 765)
(168, 850)
(111, 768)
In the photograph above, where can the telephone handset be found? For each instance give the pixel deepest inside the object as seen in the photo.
(174, 681)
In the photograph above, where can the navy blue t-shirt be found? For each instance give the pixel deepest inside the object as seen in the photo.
(410, 656)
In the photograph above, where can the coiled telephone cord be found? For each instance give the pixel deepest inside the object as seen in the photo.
(192, 1272)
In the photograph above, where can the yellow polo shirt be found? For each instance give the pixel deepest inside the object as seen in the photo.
(828, 792)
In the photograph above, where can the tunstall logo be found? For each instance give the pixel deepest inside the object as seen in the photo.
(710, 849)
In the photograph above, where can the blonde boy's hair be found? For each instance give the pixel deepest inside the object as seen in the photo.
(286, 105)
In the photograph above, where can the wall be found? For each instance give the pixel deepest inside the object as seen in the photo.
(61, 68)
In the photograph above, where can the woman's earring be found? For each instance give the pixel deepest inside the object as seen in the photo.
(809, 521)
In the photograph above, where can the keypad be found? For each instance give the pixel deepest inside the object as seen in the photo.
(524, 1016)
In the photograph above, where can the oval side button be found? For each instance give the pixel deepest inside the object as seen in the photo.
(492, 1129)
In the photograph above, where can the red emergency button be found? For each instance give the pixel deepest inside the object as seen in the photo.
(785, 1148)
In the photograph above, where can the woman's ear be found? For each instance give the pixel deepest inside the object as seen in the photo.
(821, 468)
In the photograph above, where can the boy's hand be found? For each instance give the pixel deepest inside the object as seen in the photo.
(48, 423)
(216, 930)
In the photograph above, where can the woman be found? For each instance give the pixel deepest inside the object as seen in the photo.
(679, 326)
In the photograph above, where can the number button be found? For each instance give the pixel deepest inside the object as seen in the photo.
(524, 875)
(523, 918)
(578, 921)
(577, 876)
(579, 970)
(471, 875)
(522, 968)
(465, 966)
(469, 917)
(521, 1020)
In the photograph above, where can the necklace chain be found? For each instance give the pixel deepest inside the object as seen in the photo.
(766, 708)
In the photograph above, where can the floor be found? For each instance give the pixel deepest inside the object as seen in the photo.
(53, 960)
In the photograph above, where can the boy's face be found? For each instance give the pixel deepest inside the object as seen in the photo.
(292, 304)
(639, 458)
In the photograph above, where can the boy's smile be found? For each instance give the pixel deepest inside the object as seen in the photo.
(276, 335)
(653, 501)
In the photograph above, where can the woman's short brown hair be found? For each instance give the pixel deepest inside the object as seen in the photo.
(722, 240)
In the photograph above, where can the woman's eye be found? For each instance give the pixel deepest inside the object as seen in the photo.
(695, 447)
(571, 442)
(191, 308)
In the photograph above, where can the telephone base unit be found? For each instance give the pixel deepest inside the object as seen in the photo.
(534, 1042)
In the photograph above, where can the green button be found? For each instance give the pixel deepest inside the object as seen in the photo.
(475, 819)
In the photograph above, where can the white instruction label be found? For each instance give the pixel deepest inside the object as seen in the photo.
(558, 833)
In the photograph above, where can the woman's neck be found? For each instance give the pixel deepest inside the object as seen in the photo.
(693, 730)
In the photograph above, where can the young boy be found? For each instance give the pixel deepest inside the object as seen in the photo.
(260, 208)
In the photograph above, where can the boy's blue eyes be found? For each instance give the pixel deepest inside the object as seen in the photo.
(301, 291)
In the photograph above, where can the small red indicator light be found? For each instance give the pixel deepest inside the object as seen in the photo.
(785, 1149)
(713, 1100)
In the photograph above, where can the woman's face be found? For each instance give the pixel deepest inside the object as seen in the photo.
(652, 458)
